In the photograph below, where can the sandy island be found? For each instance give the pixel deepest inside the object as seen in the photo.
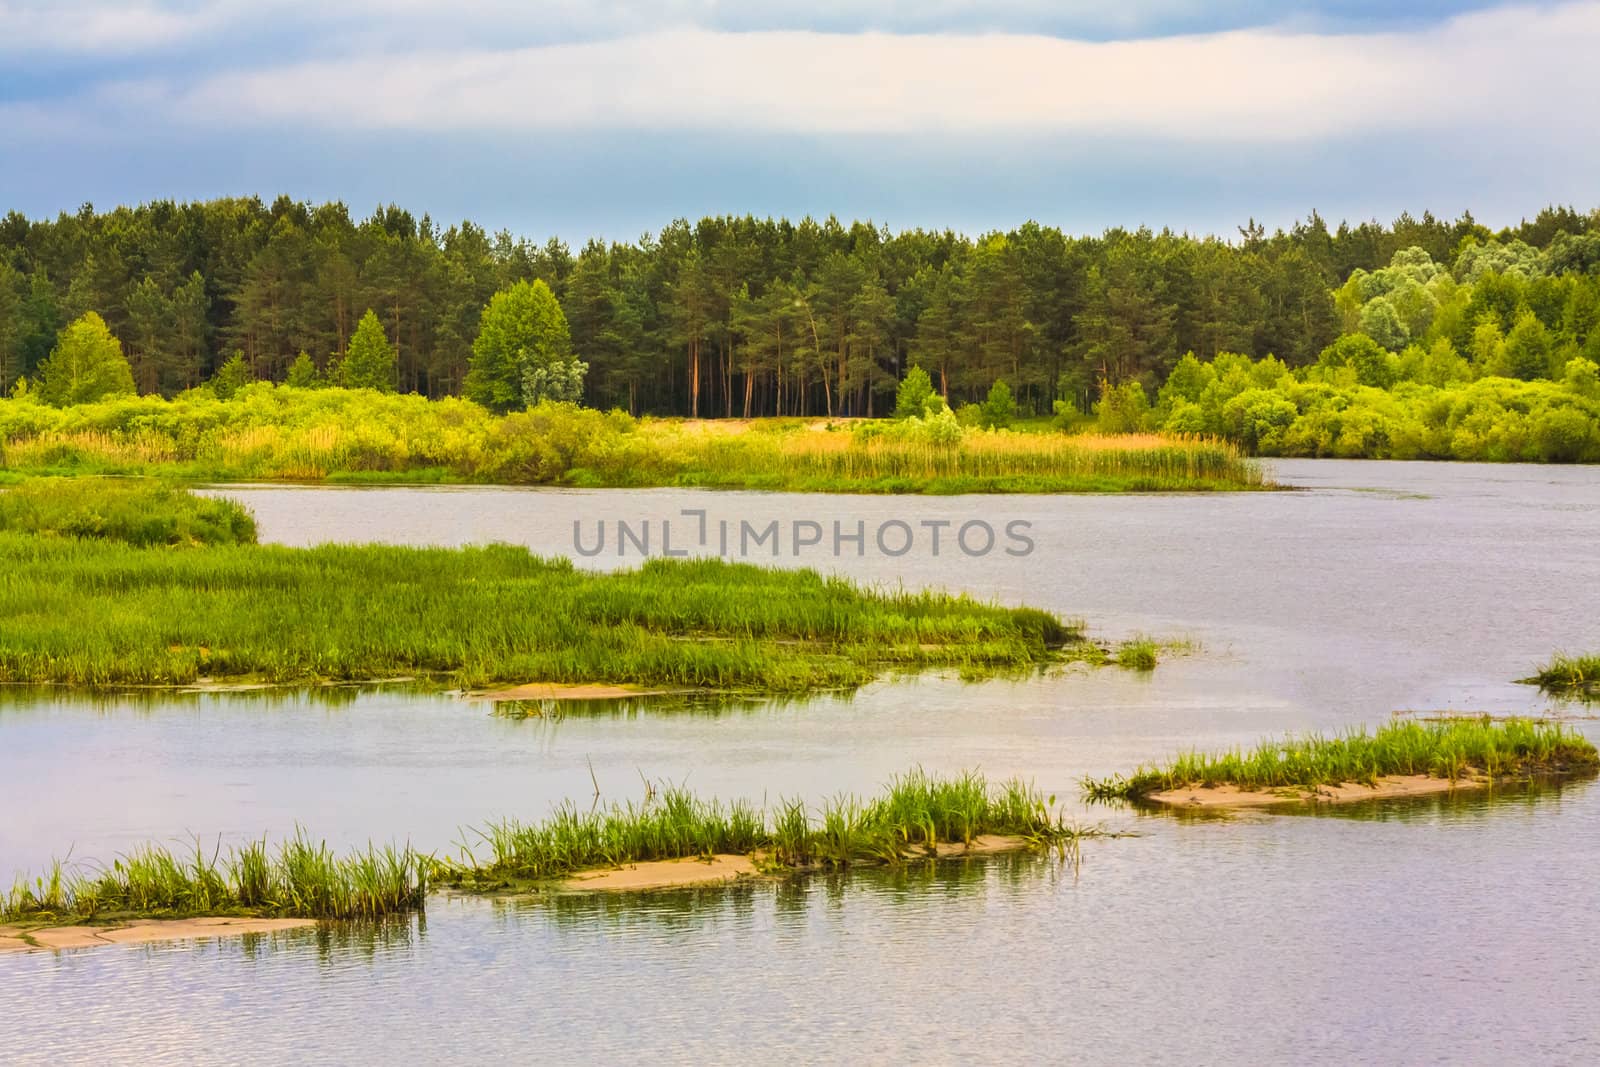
(1389, 786)
(138, 932)
(694, 870)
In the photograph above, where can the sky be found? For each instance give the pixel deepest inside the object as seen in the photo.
(557, 117)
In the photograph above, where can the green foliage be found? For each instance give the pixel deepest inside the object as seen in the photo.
(999, 408)
(231, 377)
(1526, 352)
(132, 512)
(1435, 408)
(1448, 748)
(267, 432)
(303, 373)
(369, 362)
(523, 352)
(1373, 364)
(1122, 408)
(915, 394)
(86, 365)
(91, 613)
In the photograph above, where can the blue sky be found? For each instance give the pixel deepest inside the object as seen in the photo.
(556, 116)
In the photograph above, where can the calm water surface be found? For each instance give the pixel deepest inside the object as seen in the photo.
(1457, 931)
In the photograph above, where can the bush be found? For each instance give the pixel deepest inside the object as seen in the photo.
(1000, 409)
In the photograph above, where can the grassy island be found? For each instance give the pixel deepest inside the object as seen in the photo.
(281, 433)
(90, 613)
(111, 583)
(1570, 676)
(1449, 752)
(919, 816)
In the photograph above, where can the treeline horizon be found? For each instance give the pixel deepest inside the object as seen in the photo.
(736, 316)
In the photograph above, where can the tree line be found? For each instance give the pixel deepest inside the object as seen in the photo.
(739, 316)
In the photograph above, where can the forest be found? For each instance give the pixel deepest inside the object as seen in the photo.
(752, 317)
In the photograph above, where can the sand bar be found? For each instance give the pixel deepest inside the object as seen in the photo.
(1388, 786)
(139, 931)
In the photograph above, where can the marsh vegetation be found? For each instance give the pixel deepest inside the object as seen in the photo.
(139, 512)
(1571, 676)
(87, 612)
(265, 432)
(918, 816)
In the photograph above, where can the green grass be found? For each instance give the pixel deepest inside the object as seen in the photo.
(97, 614)
(1569, 676)
(135, 512)
(1138, 654)
(1449, 748)
(277, 433)
(303, 878)
(917, 814)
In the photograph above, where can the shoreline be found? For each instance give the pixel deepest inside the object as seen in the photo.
(1388, 787)
(17, 938)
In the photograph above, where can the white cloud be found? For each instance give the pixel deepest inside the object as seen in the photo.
(96, 28)
(42, 28)
(1512, 65)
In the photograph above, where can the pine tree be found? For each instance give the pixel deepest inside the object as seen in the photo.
(369, 362)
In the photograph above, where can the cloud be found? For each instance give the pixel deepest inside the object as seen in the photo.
(35, 30)
(97, 28)
(1508, 66)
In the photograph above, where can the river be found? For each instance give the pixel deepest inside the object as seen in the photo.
(1458, 930)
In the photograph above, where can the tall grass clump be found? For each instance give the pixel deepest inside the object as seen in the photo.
(917, 814)
(97, 614)
(301, 879)
(1569, 676)
(1138, 654)
(1448, 748)
(267, 432)
(136, 512)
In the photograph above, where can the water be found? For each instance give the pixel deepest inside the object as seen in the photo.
(1454, 931)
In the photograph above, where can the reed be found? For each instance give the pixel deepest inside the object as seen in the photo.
(1564, 675)
(302, 879)
(916, 815)
(1445, 748)
(98, 614)
(279, 433)
(1138, 654)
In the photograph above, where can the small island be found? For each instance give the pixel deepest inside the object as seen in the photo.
(1576, 677)
(1399, 759)
(671, 838)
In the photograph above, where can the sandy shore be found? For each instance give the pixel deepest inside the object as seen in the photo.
(561, 691)
(670, 874)
(666, 874)
(1229, 796)
(139, 931)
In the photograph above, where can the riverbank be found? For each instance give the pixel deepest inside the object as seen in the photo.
(279, 433)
